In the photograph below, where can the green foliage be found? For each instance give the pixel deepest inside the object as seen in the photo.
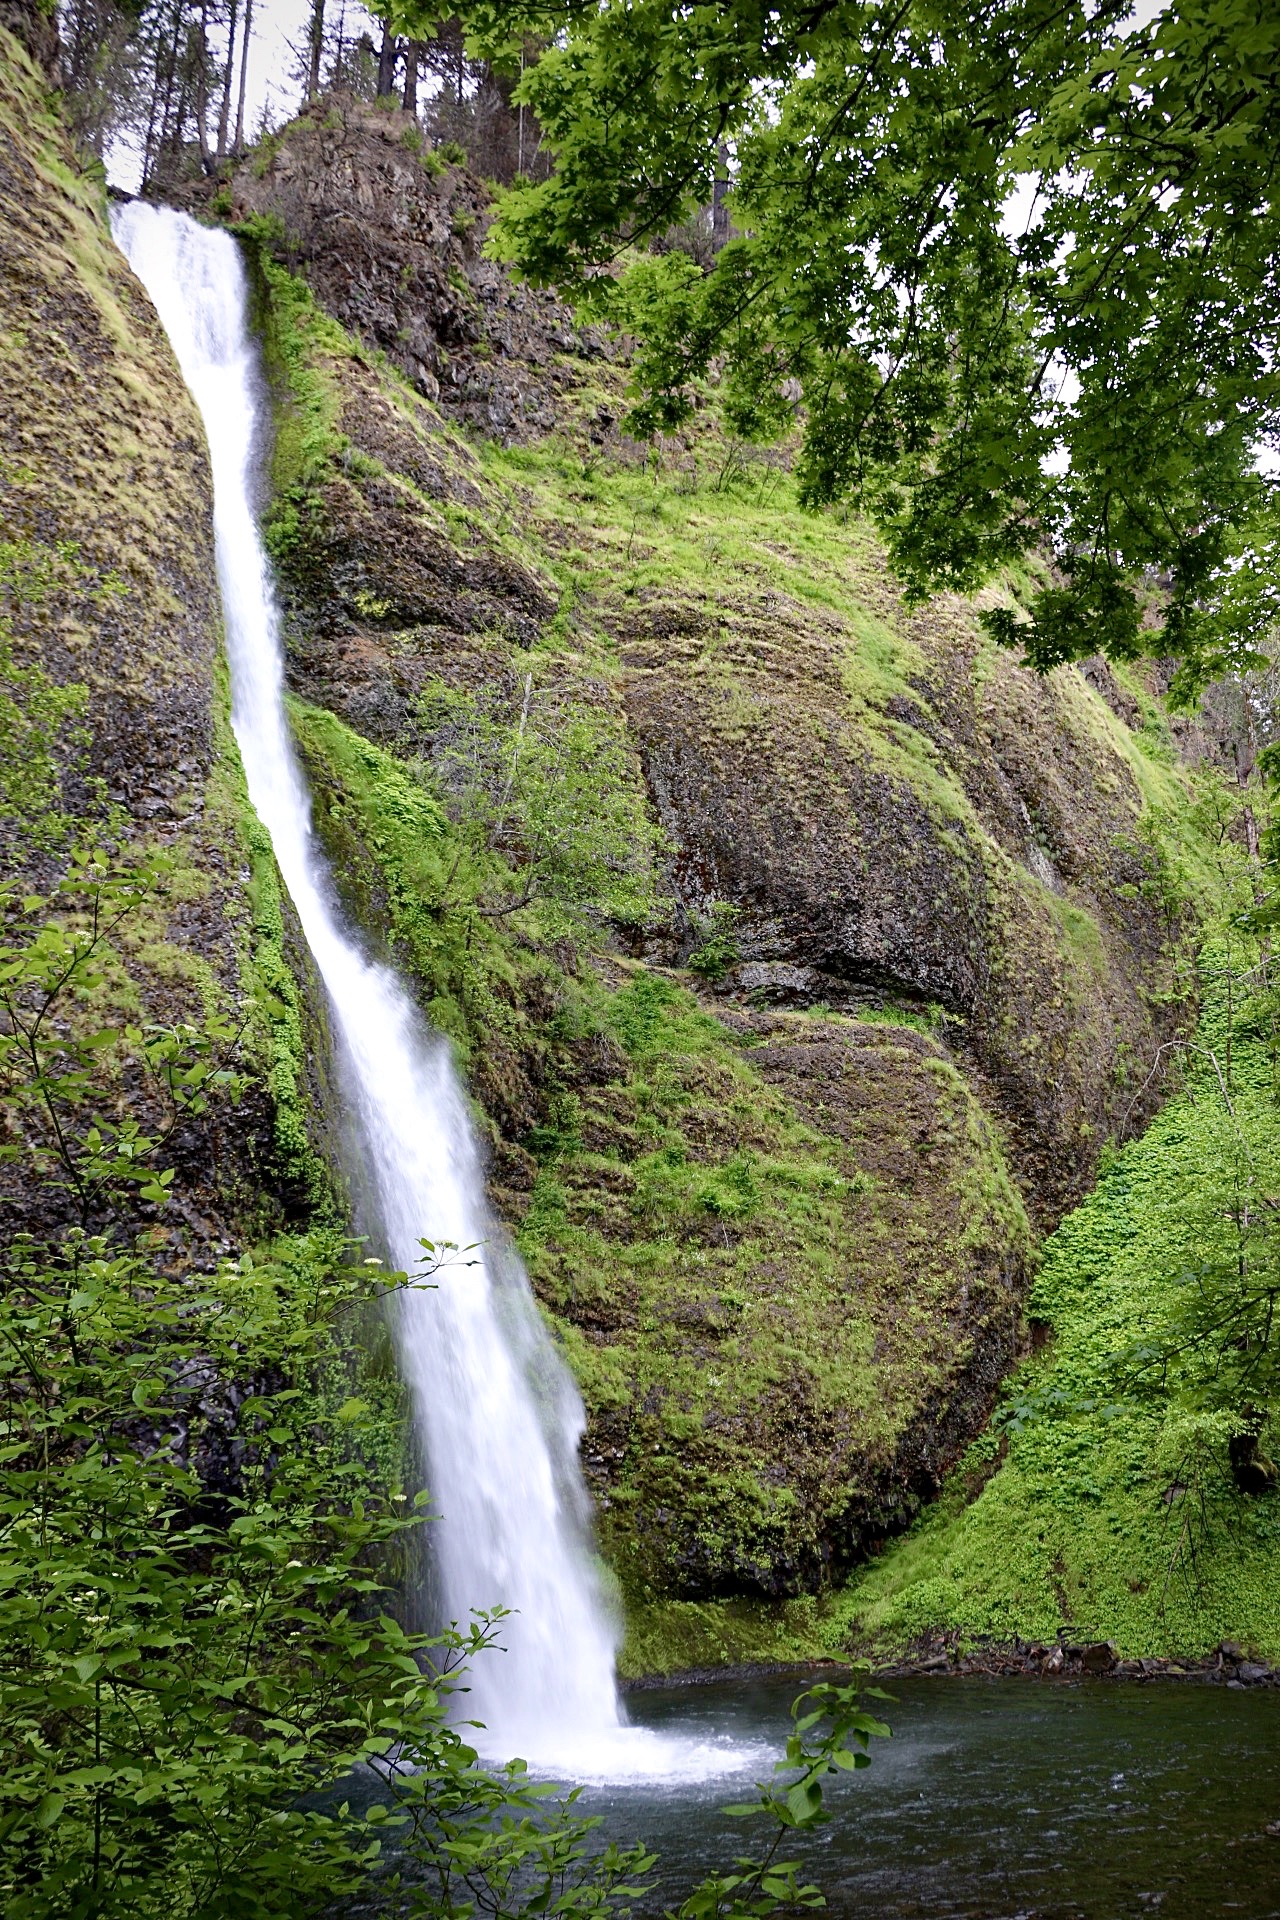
(179, 1664)
(57, 953)
(831, 1731)
(278, 1031)
(878, 270)
(392, 846)
(1241, 612)
(1133, 1504)
(547, 784)
(195, 1652)
(183, 1543)
(717, 943)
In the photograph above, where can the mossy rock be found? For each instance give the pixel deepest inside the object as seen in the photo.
(779, 1219)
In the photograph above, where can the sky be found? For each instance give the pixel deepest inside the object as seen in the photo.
(278, 25)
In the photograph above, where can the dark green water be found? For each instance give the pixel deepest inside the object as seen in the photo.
(998, 1799)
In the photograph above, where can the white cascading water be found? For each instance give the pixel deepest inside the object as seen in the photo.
(497, 1411)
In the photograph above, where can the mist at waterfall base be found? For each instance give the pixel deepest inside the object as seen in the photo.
(497, 1413)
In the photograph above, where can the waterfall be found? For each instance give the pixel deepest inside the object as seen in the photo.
(499, 1416)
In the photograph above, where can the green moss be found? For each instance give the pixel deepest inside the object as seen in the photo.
(1081, 934)
(394, 853)
(43, 737)
(300, 342)
(684, 1636)
(721, 1273)
(1079, 1531)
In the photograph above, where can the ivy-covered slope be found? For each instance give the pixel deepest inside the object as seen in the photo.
(1106, 1514)
(771, 1151)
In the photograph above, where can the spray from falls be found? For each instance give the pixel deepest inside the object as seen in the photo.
(497, 1411)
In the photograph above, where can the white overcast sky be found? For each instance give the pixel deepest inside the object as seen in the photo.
(277, 24)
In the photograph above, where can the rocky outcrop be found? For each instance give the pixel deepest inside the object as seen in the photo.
(777, 1208)
(390, 236)
(110, 626)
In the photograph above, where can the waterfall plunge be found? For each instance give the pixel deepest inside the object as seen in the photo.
(497, 1411)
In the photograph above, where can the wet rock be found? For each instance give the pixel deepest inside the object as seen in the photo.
(105, 488)
(1098, 1658)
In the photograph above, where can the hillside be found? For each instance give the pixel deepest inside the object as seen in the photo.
(776, 1154)
(855, 953)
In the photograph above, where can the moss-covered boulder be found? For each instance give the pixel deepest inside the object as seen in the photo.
(788, 1261)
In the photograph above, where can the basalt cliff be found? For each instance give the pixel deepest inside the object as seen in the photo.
(778, 1148)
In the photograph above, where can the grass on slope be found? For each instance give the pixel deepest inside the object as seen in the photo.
(1092, 1525)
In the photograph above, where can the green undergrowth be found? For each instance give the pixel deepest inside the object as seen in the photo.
(1090, 1528)
(393, 850)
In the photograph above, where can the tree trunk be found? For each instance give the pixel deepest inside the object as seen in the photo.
(224, 110)
(165, 137)
(148, 145)
(412, 58)
(342, 36)
(245, 37)
(387, 61)
(202, 88)
(719, 192)
(315, 47)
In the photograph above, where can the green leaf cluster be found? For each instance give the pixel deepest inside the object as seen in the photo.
(200, 1656)
(1011, 268)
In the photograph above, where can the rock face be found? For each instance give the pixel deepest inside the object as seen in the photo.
(391, 240)
(773, 1158)
(779, 1215)
(108, 599)
(105, 480)
(961, 836)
